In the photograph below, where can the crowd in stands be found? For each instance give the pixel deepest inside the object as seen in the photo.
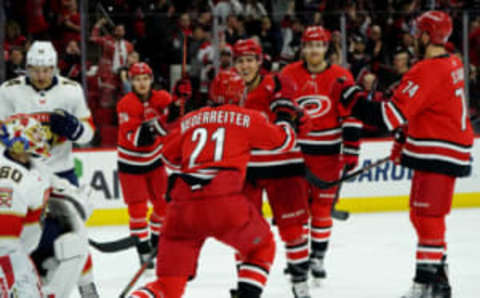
(380, 40)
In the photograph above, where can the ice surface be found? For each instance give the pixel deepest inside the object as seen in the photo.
(371, 255)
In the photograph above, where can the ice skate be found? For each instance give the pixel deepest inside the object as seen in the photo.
(301, 290)
(318, 272)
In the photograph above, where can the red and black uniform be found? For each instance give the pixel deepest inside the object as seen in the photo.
(281, 175)
(209, 154)
(322, 147)
(439, 139)
(141, 173)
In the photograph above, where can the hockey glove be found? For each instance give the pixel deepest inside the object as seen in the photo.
(183, 89)
(346, 93)
(398, 143)
(65, 124)
(156, 126)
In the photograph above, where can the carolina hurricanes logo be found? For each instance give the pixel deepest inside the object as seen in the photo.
(315, 105)
(150, 113)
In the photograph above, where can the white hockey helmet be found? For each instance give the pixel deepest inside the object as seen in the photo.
(42, 53)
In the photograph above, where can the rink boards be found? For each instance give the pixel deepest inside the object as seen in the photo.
(384, 188)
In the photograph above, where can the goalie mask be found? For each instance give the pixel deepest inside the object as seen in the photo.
(22, 133)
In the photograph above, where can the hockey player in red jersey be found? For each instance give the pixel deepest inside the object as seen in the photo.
(332, 145)
(140, 138)
(281, 175)
(208, 156)
(430, 100)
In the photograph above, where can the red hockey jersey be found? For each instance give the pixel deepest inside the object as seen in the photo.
(215, 138)
(140, 131)
(313, 94)
(431, 99)
(265, 164)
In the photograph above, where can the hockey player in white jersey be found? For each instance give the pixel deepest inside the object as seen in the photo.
(25, 189)
(59, 104)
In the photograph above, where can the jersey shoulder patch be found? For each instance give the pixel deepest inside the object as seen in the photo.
(68, 82)
(12, 82)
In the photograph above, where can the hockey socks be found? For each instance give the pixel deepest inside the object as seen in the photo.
(252, 279)
(298, 261)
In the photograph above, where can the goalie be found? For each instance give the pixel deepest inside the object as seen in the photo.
(27, 189)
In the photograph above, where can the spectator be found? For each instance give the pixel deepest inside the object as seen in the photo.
(157, 47)
(205, 58)
(474, 40)
(15, 64)
(132, 58)
(37, 25)
(231, 34)
(292, 39)
(115, 50)
(205, 19)
(68, 23)
(70, 64)
(226, 58)
(358, 59)
(199, 38)
(269, 39)
(388, 78)
(335, 48)
(183, 30)
(474, 91)
(369, 82)
(408, 42)
(376, 48)
(14, 37)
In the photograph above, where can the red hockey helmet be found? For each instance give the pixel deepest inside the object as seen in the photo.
(139, 68)
(245, 47)
(437, 24)
(227, 88)
(316, 33)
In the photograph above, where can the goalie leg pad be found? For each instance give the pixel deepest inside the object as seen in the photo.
(70, 245)
(71, 251)
(18, 277)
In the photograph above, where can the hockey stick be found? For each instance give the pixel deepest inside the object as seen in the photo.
(339, 214)
(138, 274)
(327, 184)
(114, 246)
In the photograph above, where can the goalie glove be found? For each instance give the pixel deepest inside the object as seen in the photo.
(65, 124)
(80, 198)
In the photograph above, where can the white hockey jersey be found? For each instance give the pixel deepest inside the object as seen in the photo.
(18, 95)
(23, 194)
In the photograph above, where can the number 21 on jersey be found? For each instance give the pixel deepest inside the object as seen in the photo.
(200, 136)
